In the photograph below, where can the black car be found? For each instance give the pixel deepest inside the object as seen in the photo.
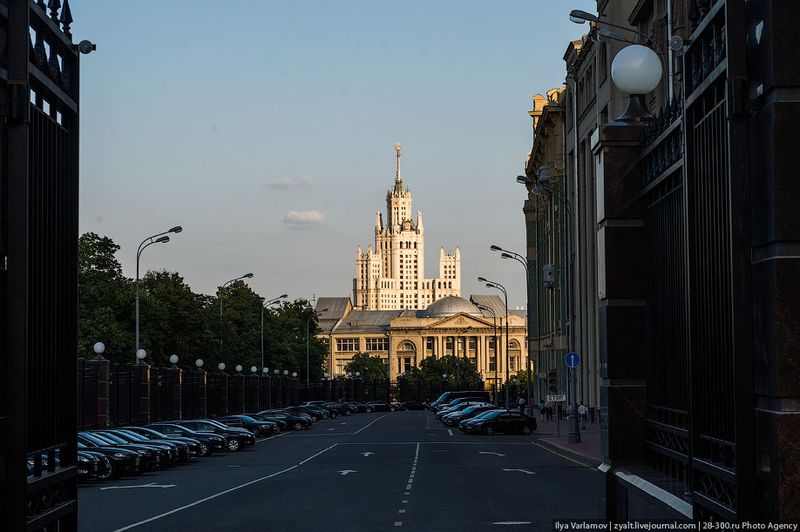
(235, 437)
(212, 442)
(382, 406)
(122, 461)
(310, 412)
(504, 421)
(93, 465)
(323, 405)
(196, 447)
(182, 452)
(161, 456)
(259, 427)
(280, 424)
(413, 405)
(293, 421)
(318, 408)
(340, 408)
(454, 418)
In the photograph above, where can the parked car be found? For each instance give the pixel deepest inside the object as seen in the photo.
(280, 424)
(340, 408)
(456, 408)
(446, 397)
(182, 452)
(164, 455)
(213, 442)
(93, 464)
(123, 461)
(454, 418)
(504, 421)
(458, 401)
(413, 405)
(313, 415)
(382, 406)
(293, 421)
(323, 412)
(235, 437)
(319, 406)
(196, 447)
(259, 427)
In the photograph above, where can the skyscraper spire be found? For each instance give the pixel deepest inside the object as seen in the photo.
(398, 179)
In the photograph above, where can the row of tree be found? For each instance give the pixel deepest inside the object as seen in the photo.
(175, 320)
(431, 369)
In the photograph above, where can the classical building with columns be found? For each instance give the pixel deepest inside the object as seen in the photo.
(391, 276)
(403, 338)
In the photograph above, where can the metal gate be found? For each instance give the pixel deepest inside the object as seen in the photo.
(699, 415)
(38, 263)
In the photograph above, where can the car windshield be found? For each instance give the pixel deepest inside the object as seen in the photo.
(132, 435)
(113, 437)
(492, 414)
(95, 439)
(153, 432)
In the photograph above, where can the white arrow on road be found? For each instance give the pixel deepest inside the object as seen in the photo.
(151, 485)
(345, 472)
(521, 471)
(331, 428)
(367, 453)
(491, 452)
(342, 423)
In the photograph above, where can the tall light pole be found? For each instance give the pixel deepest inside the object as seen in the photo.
(160, 238)
(308, 324)
(506, 254)
(263, 306)
(496, 343)
(494, 284)
(245, 276)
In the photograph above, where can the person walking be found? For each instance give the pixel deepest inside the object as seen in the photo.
(548, 409)
(521, 404)
(582, 415)
(541, 409)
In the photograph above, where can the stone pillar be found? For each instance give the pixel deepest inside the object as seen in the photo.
(200, 393)
(175, 381)
(621, 292)
(144, 393)
(103, 384)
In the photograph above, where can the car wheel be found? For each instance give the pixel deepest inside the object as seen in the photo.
(298, 426)
(526, 430)
(369, 410)
(333, 415)
(108, 474)
(488, 431)
(233, 445)
(203, 449)
(114, 473)
(346, 413)
(392, 409)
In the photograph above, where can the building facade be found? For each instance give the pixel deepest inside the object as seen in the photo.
(391, 276)
(683, 245)
(403, 338)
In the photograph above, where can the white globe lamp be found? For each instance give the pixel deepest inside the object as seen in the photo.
(173, 359)
(636, 70)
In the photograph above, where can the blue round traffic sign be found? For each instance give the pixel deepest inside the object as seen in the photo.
(572, 360)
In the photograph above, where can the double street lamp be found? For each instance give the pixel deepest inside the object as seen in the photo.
(506, 254)
(264, 305)
(494, 284)
(308, 324)
(227, 283)
(160, 238)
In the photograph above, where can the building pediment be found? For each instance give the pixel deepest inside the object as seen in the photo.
(460, 321)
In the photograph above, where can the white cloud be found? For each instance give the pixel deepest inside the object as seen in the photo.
(303, 218)
(290, 182)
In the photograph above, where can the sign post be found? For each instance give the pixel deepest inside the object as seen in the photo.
(572, 360)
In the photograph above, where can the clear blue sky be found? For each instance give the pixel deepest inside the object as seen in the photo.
(224, 117)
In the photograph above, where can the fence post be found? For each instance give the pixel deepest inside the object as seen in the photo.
(144, 393)
(201, 393)
(175, 380)
(103, 383)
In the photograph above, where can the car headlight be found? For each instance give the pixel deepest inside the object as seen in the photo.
(120, 455)
(140, 451)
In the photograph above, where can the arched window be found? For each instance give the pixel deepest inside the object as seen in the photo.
(514, 355)
(406, 356)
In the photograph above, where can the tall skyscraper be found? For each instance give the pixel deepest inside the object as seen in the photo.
(391, 276)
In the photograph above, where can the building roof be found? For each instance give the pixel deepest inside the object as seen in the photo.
(368, 321)
(494, 302)
(450, 306)
(335, 308)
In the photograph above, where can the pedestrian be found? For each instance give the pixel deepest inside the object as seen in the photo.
(521, 404)
(582, 414)
(541, 409)
(548, 409)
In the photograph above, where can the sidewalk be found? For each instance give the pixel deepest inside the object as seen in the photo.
(587, 450)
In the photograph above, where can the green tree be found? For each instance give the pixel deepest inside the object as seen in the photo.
(371, 368)
(285, 342)
(457, 369)
(105, 299)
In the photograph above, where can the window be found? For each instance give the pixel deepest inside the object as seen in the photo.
(377, 344)
(448, 345)
(349, 345)
(430, 348)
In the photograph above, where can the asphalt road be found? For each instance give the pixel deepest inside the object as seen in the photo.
(368, 472)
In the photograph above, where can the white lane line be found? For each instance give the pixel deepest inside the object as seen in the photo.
(565, 457)
(407, 493)
(229, 490)
(401, 511)
(416, 453)
(370, 423)
(404, 501)
(511, 523)
(450, 432)
(271, 437)
(398, 523)
(408, 487)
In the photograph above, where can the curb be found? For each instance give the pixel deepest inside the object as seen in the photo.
(588, 461)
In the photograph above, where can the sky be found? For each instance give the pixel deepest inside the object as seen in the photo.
(266, 129)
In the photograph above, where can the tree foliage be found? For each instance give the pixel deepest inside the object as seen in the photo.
(176, 320)
(431, 369)
(371, 368)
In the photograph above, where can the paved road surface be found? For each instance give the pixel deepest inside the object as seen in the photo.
(369, 472)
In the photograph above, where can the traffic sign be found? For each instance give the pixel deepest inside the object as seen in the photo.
(542, 374)
(557, 398)
(572, 360)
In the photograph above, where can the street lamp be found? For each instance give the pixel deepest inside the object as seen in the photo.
(253, 369)
(245, 276)
(99, 349)
(159, 238)
(308, 324)
(636, 70)
(263, 306)
(199, 363)
(294, 374)
(141, 354)
(265, 371)
(496, 344)
(173, 359)
(506, 254)
(221, 366)
(285, 372)
(494, 284)
(238, 368)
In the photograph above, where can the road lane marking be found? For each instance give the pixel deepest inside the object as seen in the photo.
(491, 452)
(271, 437)
(401, 511)
(370, 423)
(404, 501)
(521, 471)
(367, 453)
(151, 485)
(224, 492)
(398, 523)
(450, 432)
(565, 457)
(345, 472)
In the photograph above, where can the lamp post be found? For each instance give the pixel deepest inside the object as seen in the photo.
(494, 284)
(308, 324)
(263, 306)
(506, 254)
(496, 344)
(159, 238)
(245, 276)
(99, 349)
(141, 354)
